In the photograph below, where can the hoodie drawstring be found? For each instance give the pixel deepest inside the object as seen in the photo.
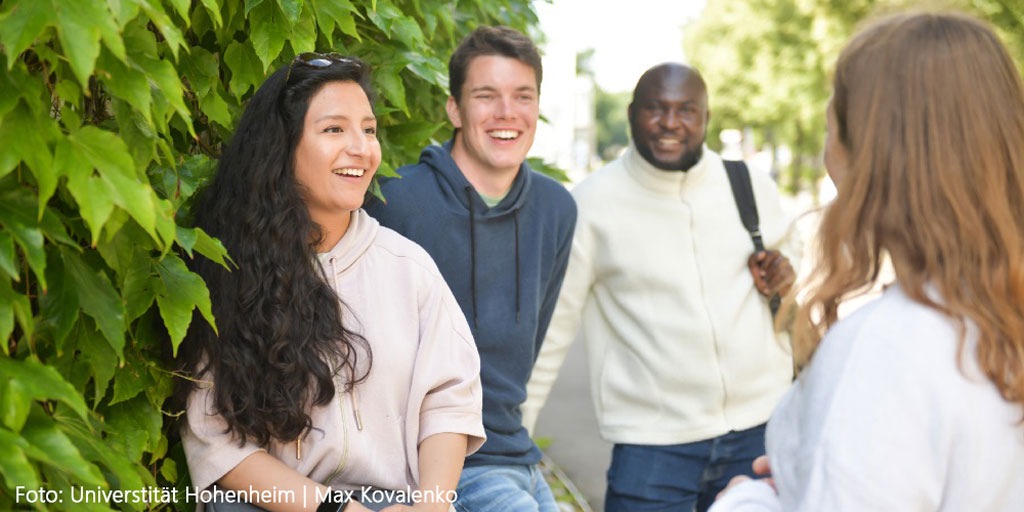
(353, 396)
(515, 220)
(472, 252)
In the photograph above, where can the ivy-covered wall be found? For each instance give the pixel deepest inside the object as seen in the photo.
(112, 113)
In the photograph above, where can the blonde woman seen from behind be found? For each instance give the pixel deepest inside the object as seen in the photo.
(914, 402)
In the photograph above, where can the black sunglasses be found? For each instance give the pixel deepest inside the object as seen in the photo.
(317, 60)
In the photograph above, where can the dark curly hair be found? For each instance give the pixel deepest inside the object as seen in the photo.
(280, 341)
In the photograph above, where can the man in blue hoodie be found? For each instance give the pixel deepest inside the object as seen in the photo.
(500, 234)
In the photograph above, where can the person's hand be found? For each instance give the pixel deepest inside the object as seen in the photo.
(772, 272)
(761, 468)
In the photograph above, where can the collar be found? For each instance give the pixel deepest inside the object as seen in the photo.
(668, 182)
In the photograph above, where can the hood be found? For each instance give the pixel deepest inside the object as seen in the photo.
(357, 239)
(439, 160)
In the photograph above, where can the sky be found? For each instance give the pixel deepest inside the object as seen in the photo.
(628, 36)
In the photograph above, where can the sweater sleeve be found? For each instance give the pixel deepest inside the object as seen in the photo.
(209, 450)
(561, 262)
(780, 230)
(446, 379)
(564, 324)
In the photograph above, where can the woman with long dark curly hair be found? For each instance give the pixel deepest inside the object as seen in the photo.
(340, 359)
(915, 401)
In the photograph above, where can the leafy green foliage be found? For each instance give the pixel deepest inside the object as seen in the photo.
(112, 114)
(768, 65)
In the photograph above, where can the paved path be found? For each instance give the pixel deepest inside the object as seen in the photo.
(568, 420)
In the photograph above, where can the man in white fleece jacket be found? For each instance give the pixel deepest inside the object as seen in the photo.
(685, 366)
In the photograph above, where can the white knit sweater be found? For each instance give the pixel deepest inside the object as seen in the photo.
(680, 344)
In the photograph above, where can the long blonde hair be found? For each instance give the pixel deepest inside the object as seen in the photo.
(930, 109)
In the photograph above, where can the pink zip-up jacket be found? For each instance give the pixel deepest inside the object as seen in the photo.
(425, 377)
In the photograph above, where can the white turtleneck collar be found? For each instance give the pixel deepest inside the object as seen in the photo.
(668, 182)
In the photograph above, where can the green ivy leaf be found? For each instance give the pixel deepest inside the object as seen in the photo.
(138, 133)
(163, 23)
(408, 32)
(134, 426)
(138, 294)
(94, 204)
(14, 465)
(98, 299)
(186, 238)
(78, 28)
(21, 22)
(127, 473)
(96, 352)
(127, 83)
(427, 67)
(201, 68)
(250, 5)
(18, 218)
(303, 33)
(213, 10)
(14, 405)
(181, 6)
(246, 68)
(41, 382)
(139, 37)
(8, 297)
(291, 9)
(58, 306)
(178, 292)
(216, 109)
(58, 451)
(169, 470)
(165, 225)
(336, 12)
(124, 12)
(165, 80)
(268, 31)
(392, 89)
(109, 155)
(211, 247)
(7, 262)
(10, 95)
(26, 137)
(130, 380)
(413, 133)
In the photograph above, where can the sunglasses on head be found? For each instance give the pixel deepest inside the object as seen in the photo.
(316, 60)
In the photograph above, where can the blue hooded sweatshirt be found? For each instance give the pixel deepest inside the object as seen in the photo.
(505, 266)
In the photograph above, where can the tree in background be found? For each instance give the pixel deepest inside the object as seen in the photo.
(112, 113)
(612, 122)
(768, 66)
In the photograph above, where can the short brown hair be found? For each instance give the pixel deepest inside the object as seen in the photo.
(488, 40)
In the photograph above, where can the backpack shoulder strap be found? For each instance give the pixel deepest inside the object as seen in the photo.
(743, 193)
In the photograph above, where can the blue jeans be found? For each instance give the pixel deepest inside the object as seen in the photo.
(504, 489)
(679, 477)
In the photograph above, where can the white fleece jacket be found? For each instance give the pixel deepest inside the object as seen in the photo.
(680, 344)
(885, 419)
(425, 377)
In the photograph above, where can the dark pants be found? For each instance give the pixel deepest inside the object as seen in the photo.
(679, 477)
